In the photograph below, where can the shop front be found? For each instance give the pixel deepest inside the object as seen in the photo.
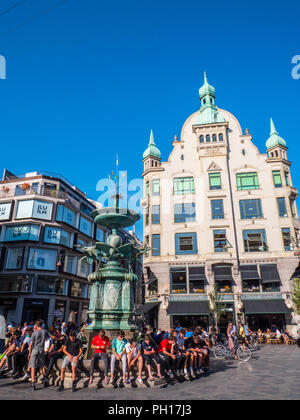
(147, 314)
(227, 316)
(34, 309)
(263, 314)
(189, 314)
(8, 308)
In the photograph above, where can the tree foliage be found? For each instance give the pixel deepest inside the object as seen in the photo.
(217, 304)
(296, 295)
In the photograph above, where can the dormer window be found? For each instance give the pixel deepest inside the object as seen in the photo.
(208, 138)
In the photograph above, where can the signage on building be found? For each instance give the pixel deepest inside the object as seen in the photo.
(5, 211)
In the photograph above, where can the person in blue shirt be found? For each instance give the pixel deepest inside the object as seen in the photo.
(188, 333)
(119, 353)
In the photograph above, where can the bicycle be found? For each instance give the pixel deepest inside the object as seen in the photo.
(222, 352)
(253, 343)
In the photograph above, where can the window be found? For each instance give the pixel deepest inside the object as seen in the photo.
(57, 236)
(147, 188)
(155, 245)
(220, 241)
(182, 157)
(250, 286)
(207, 138)
(22, 233)
(85, 226)
(84, 268)
(215, 181)
(85, 208)
(217, 209)
(292, 205)
(5, 209)
(287, 240)
(201, 139)
(178, 280)
(221, 137)
(183, 185)
(287, 180)
(281, 207)
(186, 243)
(197, 279)
(255, 240)
(155, 187)
(77, 289)
(14, 258)
(34, 209)
(155, 215)
(51, 285)
(70, 264)
(250, 209)
(247, 181)
(184, 212)
(214, 137)
(66, 215)
(13, 284)
(277, 179)
(99, 235)
(42, 259)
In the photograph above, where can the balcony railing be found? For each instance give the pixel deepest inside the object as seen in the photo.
(8, 193)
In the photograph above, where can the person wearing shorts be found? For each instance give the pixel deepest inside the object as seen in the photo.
(73, 350)
(166, 353)
(149, 349)
(134, 355)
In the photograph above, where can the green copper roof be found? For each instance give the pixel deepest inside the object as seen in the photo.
(208, 113)
(274, 139)
(206, 89)
(152, 150)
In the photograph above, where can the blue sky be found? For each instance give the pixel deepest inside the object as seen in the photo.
(90, 78)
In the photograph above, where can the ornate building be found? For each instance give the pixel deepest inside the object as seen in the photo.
(219, 215)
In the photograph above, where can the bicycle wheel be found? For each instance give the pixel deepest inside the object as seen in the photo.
(243, 354)
(220, 352)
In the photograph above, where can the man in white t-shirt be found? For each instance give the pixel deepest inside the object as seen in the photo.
(134, 355)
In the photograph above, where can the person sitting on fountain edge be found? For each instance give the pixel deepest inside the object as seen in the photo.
(119, 353)
(100, 343)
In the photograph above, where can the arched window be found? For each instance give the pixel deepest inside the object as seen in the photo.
(204, 101)
(214, 137)
(201, 139)
(207, 138)
(276, 153)
(220, 137)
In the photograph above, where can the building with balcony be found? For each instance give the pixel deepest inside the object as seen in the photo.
(43, 219)
(219, 215)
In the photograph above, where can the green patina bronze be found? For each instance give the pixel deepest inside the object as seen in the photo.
(111, 300)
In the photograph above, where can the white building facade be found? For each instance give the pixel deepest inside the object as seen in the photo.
(219, 215)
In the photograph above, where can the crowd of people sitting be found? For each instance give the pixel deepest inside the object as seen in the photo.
(177, 352)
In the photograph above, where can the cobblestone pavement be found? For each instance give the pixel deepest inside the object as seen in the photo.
(272, 373)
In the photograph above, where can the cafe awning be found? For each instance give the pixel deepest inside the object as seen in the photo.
(188, 308)
(146, 308)
(223, 272)
(197, 273)
(269, 273)
(272, 306)
(249, 272)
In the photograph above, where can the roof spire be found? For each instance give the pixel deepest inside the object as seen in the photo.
(273, 129)
(152, 150)
(151, 141)
(274, 139)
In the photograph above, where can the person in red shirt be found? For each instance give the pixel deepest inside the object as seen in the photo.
(166, 353)
(100, 343)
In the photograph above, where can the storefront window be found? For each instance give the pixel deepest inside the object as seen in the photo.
(85, 226)
(57, 236)
(51, 285)
(59, 311)
(66, 215)
(42, 259)
(178, 280)
(14, 258)
(22, 233)
(16, 284)
(34, 209)
(223, 286)
(5, 209)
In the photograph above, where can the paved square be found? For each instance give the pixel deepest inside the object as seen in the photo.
(272, 373)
